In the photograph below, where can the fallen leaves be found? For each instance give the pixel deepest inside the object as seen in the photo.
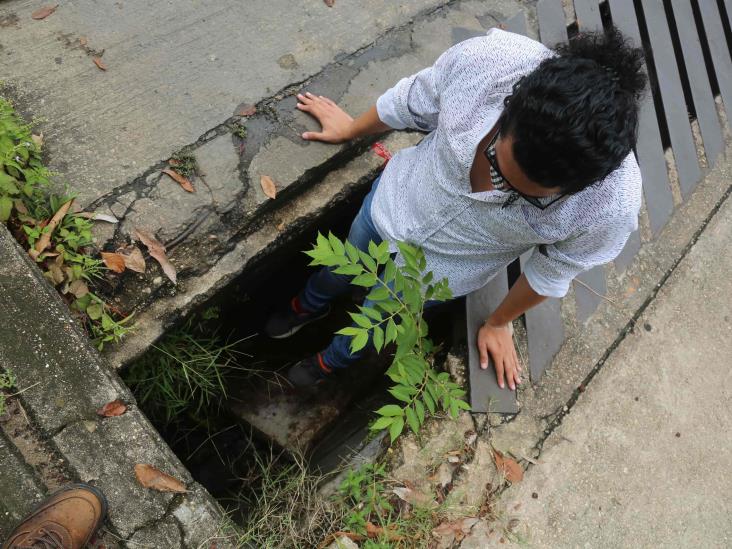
(508, 467)
(99, 63)
(374, 531)
(78, 288)
(157, 252)
(43, 12)
(114, 262)
(245, 110)
(38, 140)
(45, 238)
(451, 531)
(112, 409)
(268, 186)
(98, 217)
(154, 479)
(133, 258)
(178, 178)
(413, 497)
(329, 3)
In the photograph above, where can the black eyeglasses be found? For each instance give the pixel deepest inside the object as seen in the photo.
(500, 183)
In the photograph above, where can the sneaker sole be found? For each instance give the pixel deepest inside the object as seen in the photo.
(300, 326)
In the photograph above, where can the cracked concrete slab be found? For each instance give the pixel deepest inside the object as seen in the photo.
(639, 461)
(175, 70)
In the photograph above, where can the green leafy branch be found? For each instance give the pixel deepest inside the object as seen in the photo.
(397, 296)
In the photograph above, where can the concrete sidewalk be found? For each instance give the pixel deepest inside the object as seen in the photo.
(643, 459)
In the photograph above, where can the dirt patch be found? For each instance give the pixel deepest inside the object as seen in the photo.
(9, 20)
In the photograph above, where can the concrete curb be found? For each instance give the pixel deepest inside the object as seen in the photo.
(67, 382)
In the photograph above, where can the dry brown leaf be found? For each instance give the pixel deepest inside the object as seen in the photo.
(83, 41)
(330, 538)
(329, 3)
(98, 217)
(43, 12)
(246, 110)
(99, 63)
(510, 469)
(134, 260)
(157, 251)
(45, 239)
(150, 477)
(78, 288)
(56, 274)
(115, 262)
(112, 409)
(374, 531)
(38, 140)
(20, 206)
(268, 186)
(178, 178)
(455, 530)
(413, 497)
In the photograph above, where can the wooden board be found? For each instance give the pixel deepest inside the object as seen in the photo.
(701, 91)
(588, 15)
(649, 150)
(672, 96)
(485, 394)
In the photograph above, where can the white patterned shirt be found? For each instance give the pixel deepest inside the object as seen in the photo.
(425, 197)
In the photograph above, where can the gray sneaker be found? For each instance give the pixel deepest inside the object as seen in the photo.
(282, 324)
(309, 372)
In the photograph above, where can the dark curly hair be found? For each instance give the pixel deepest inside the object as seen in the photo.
(575, 118)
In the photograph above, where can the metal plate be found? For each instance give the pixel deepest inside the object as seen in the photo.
(485, 394)
(649, 150)
(701, 91)
(552, 24)
(587, 301)
(718, 49)
(672, 95)
(588, 15)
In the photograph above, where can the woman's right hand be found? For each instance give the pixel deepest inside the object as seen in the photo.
(335, 122)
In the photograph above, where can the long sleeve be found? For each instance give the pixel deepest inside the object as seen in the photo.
(414, 102)
(551, 268)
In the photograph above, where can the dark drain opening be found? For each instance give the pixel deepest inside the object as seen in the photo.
(259, 419)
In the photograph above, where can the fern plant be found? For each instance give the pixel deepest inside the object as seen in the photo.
(398, 293)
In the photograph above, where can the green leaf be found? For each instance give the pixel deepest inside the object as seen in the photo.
(366, 280)
(361, 320)
(400, 392)
(412, 420)
(373, 249)
(391, 331)
(350, 331)
(359, 341)
(378, 294)
(350, 270)
(336, 244)
(352, 252)
(368, 261)
(94, 311)
(389, 272)
(6, 208)
(390, 410)
(454, 410)
(371, 313)
(429, 402)
(419, 408)
(462, 404)
(396, 428)
(378, 336)
(381, 423)
(428, 278)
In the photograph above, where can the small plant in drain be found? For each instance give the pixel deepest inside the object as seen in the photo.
(392, 313)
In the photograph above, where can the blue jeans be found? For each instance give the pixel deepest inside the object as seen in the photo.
(324, 286)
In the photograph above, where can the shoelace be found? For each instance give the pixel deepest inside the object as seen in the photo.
(47, 540)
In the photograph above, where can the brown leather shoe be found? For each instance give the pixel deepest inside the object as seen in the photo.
(65, 520)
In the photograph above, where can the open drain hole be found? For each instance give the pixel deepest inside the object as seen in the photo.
(261, 421)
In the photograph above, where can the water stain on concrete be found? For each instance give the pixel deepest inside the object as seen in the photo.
(288, 62)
